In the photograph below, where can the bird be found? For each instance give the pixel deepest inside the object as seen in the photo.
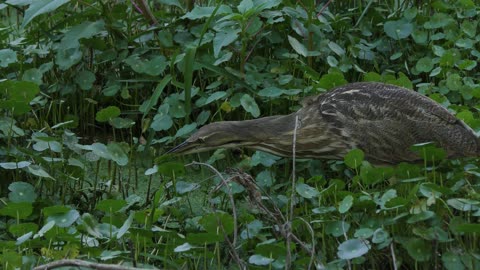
(382, 120)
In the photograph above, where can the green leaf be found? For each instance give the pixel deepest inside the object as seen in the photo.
(364, 233)
(199, 12)
(33, 75)
(332, 80)
(21, 192)
(19, 210)
(297, 46)
(452, 261)
(101, 150)
(171, 169)
(120, 123)
(64, 220)
(183, 187)
(7, 56)
(106, 114)
(211, 223)
(353, 248)
(337, 228)
(85, 79)
(15, 165)
(345, 204)
(87, 29)
(66, 58)
(222, 39)
(118, 153)
(271, 91)
(424, 64)
(336, 48)
(252, 230)
(126, 225)
(260, 260)
(418, 249)
(161, 122)
(186, 130)
(39, 171)
(249, 104)
(306, 191)
(264, 158)
(354, 158)
(110, 206)
(215, 96)
(39, 7)
(183, 247)
(398, 29)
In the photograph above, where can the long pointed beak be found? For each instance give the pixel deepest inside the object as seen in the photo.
(184, 146)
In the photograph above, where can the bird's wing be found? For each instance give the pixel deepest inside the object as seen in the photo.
(385, 121)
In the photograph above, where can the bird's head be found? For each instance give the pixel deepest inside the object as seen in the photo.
(215, 135)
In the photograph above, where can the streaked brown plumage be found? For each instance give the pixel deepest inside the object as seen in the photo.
(383, 120)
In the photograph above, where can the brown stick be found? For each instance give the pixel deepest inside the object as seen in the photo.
(80, 263)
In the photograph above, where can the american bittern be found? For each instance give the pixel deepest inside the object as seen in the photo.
(382, 120)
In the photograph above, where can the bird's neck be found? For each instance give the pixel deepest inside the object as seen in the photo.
(266, 128)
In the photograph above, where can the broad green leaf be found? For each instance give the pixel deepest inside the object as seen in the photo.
(39, 171)
(106, 114)
(354, 158)
(84, 30)
(224, 38)
(120, 123)
(215, 96)
(244, 6)
(118, 153)
(110, 206)
(186, 130)
(364, 233)
(260, 260)
(66, 58)
(452, 261)
(249, 104)
(345, 204)
(199, 12)
(271, 91)
(33, 75)
(424, 64)
(171, 169)
(7, 56)
(101, 150)
(353, 248)
(183, 187)
(21, 192)
(332, 80)
(418, 249)
(306, 191)
(211, 222)
(39, 7)
(336, 48)
(264, 158)
(85, 79)
(398, 29)
(64, 220)
(337, 228)
(252, 230)
(297, 46)
(161, 122)
(19, 210)
(15, 165)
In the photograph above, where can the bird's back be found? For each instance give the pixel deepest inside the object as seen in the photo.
(385, 121)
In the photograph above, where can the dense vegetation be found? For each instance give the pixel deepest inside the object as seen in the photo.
(92, 93)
